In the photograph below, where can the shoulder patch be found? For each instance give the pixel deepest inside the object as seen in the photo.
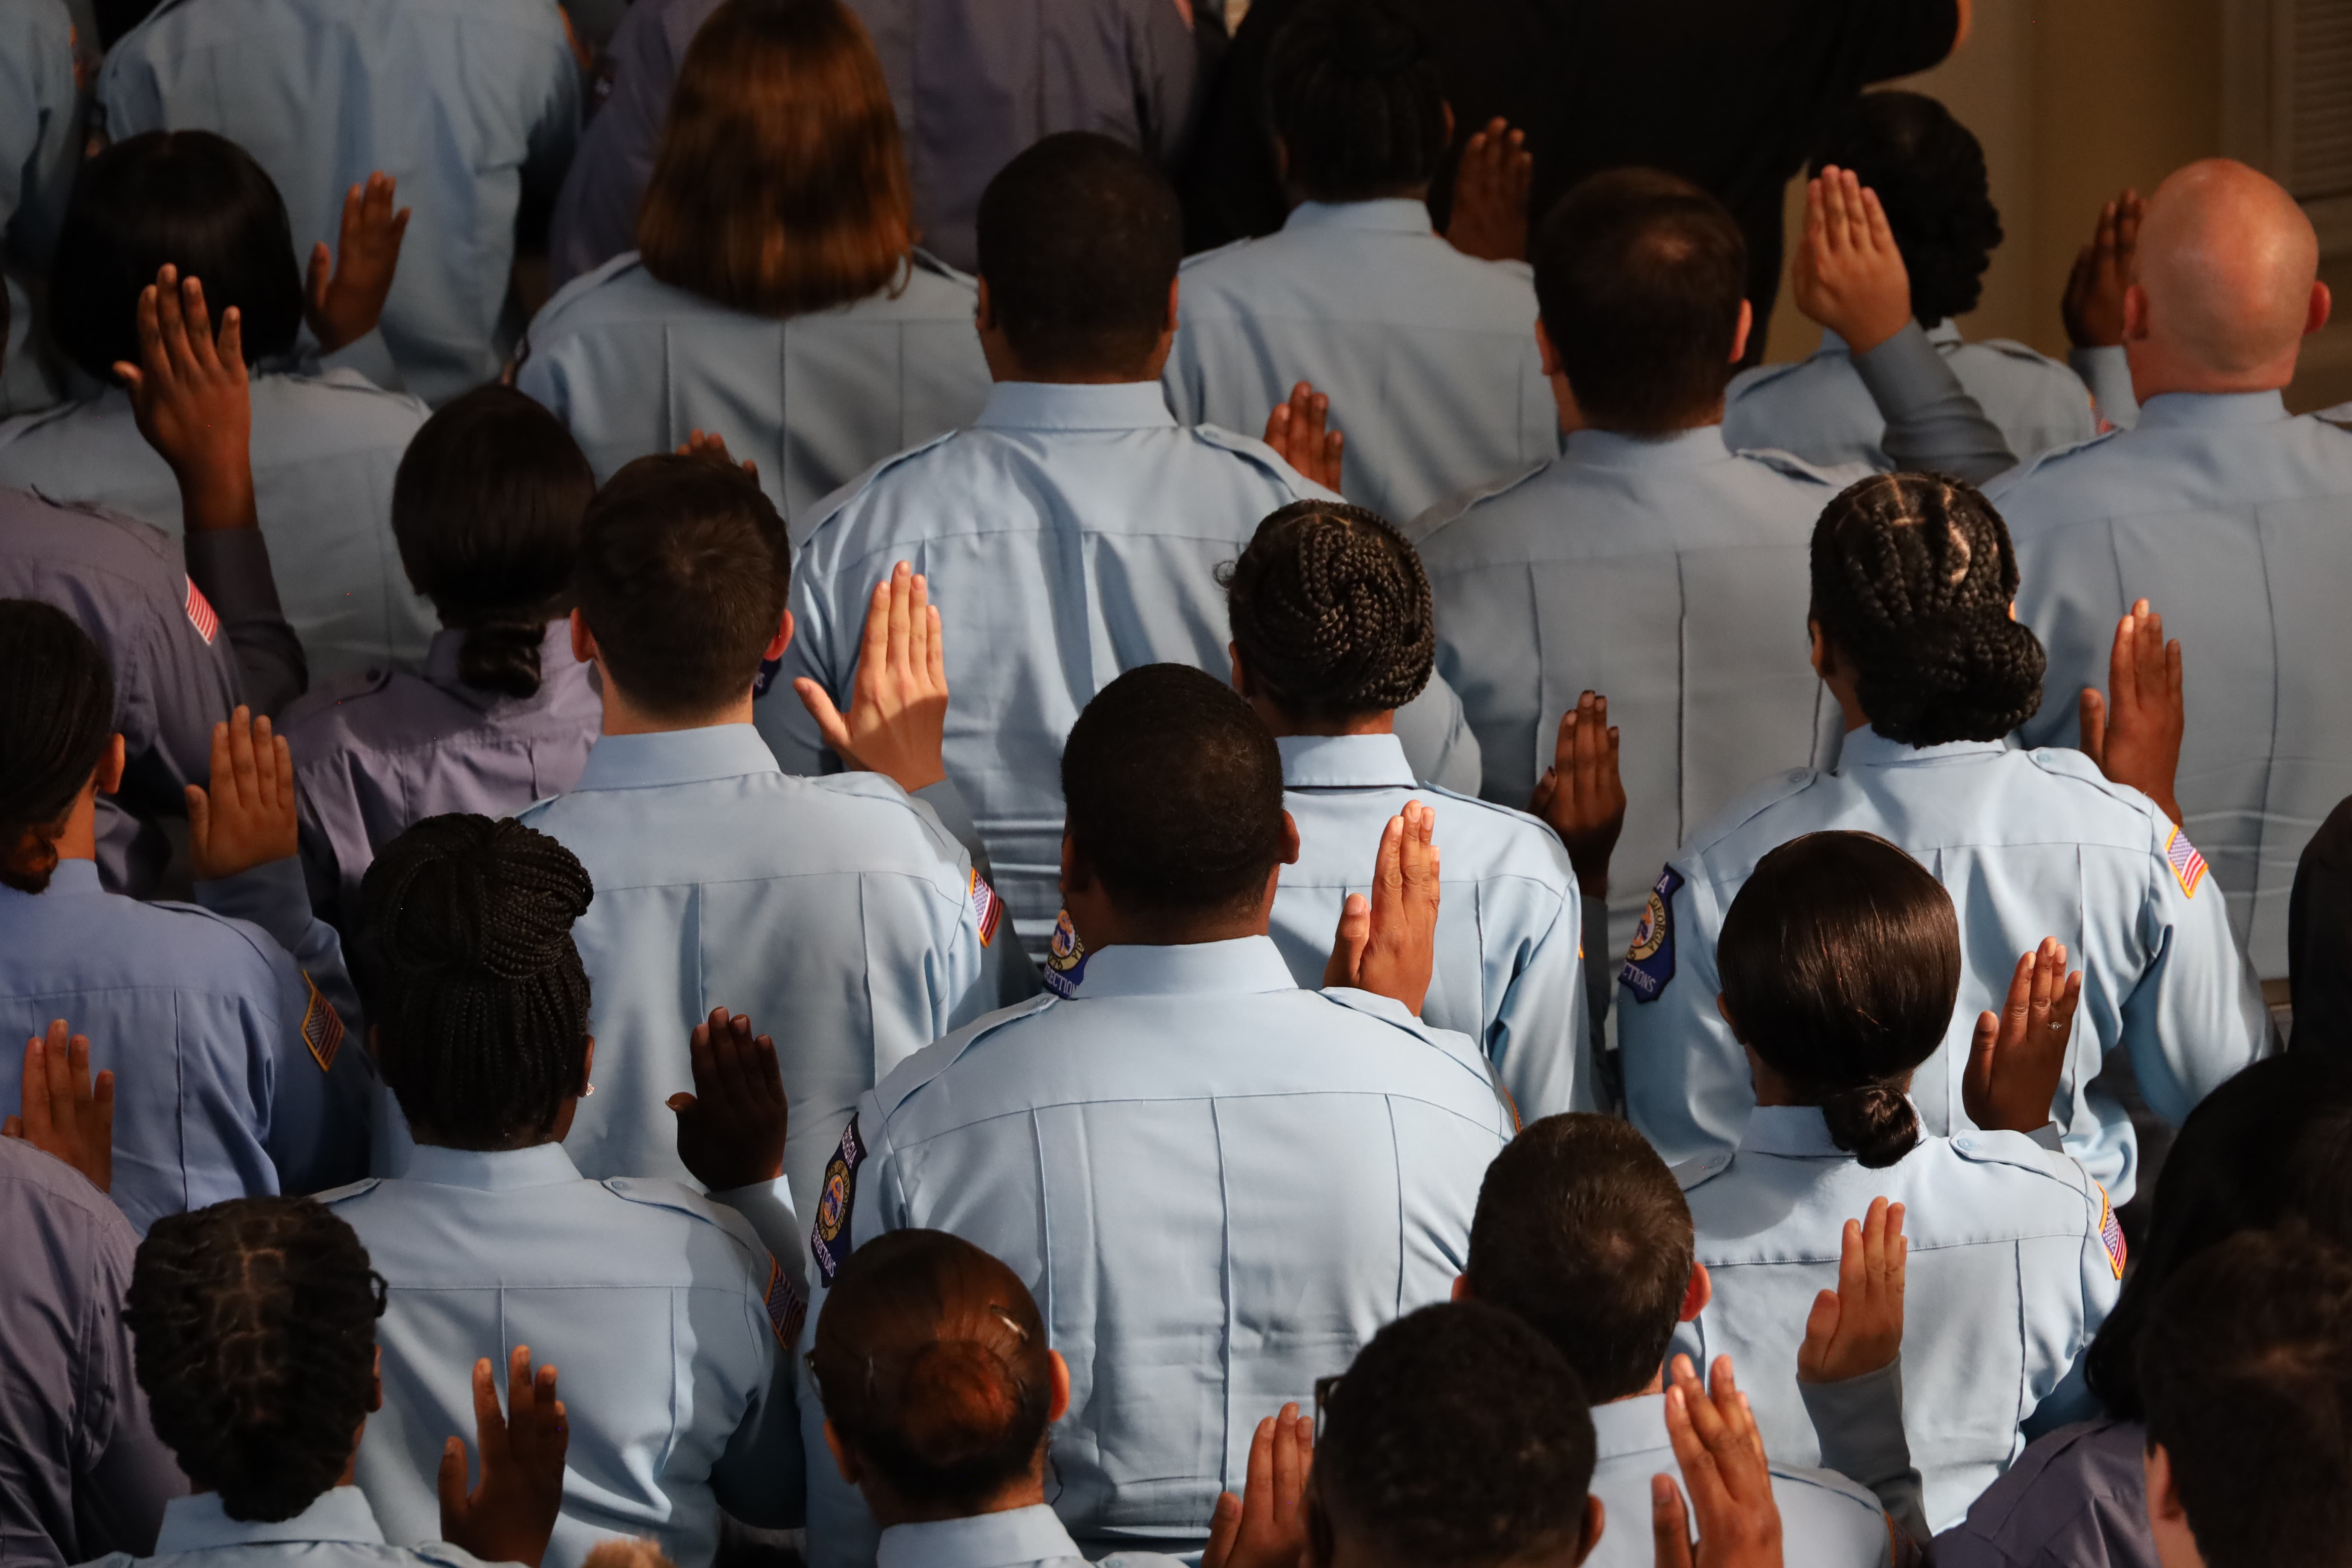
(200, 613)
(787, 1308)
(2111, 1233)
(322, 1027)
(836, 1202)
(1691, 1172)
(1650, 960)
(1066, 959)
(987, 908)
(2188, 865)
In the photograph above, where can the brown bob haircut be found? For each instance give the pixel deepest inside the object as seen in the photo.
(781, 185)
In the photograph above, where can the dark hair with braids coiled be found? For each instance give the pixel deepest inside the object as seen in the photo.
(1840, 962)
(1913, 575)
(931, 1360)
(1929, 170)
(253, 1323)
(1331, 609)
(486, 507)
(1353, 90)
(57, 715)
(479, 996)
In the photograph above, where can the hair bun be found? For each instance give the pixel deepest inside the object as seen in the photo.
(1875, 1123)
(503, 654)
(467, 896)
(1970, 675)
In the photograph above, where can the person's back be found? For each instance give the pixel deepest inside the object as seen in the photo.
(486, 508)
(2226, 514)
(721, 880)
(1649, 560)
(773, 294)
(1275, 1207)
(40, 149)
(472, 107)
(1427, 354)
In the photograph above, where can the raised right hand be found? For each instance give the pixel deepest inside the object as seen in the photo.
(1857, 1327)
(1849, 275)
(189, 399)
(1583, 794)
(511, 1511)
(1266, 1527)
(2092, 305)
(2135, 734)
(1721, 1456)
(1489, 217)
(1387, 944)
(898, 699)
(730, 1129)
(2017, 1059)
(247, 818)
(1295, 431)
(62, 1115)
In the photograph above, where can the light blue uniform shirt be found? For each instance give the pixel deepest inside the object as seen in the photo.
(1826, 1520)
(1670, 574)
(2028, 845)
(836, 911)
(1429, 356)
(338, 1530)
(2014, 1263)
(232, 1032)
(1072, 533)
(632, 365)
(1509, 920)
(1819, 409)
(464, 102)
(375, 753)
(40, 146)
(1208, 1223)
(325, 448)
(668, 1323)
(2229, 518)
(1031, 1537)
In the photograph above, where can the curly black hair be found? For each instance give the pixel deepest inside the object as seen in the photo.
(1912, 576)
(1353, 90)
(1331, 609)
(1929, 173)
(480, 999)
(253, 1323)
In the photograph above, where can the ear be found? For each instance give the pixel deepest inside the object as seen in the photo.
(1281, 161)
(1696, 1294)
(587, 1057)
(1549, 359)
(1825, 657)
(2135, 313)
(1170, 325)
(1596, 1518)
(1290, 840)
(1446, 109)
(2316, 315)
(1739, 333)
(783, 635)
(1240, 676)
(1058, 1405)
(1078, 876)
(843, 1459)
(1461, 1288)
(983, 309)
(110, 765)
(583, 643)
(1728, 1020)
(375, 1383)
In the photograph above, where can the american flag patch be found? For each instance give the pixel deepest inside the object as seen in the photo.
(2187, 864)
(787, 1310)
(986, 908)
(200, 613)
(2111, 1233)
(322, 1029)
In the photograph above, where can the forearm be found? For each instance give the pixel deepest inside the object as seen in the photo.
(1859, 1424)
(1932, 422)
(230, 566)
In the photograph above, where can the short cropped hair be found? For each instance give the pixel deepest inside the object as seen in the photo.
(1079, 238)
(781, 185)
(683, 571)
(1354, 93)
(1582, 1231)
(1173, 791)
(1458, 1439)
(190, 198)
(2246, 1366)
(1639, 280)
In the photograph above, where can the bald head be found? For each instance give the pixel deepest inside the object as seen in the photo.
(2226, 283)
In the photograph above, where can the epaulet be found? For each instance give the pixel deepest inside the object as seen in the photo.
(1756, 801)
(1264, 457)
(1749, 380)
(927, 1063)
(2017, 351)
(536, 809)
(1836, 476)
(1697, 1173)
(924, 261)
(803, 528)
(2066, 763)
(1453, 507)
(1228, 248)
(2001, 484)
(337, 1195)
(441, 1551)
(660, 1193)
(2018, 1152)
(2340, 416)
(326, 698)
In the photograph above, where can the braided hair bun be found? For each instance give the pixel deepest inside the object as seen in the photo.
(1913, 577)
(478, 996)
(253, 1323)
(1331, 612)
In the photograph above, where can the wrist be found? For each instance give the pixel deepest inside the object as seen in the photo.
(211, 499)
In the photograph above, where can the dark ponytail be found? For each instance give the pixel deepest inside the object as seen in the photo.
(1331, 609)
(1912, 576)
(1840, 961)
(57, 715)
(486, 508)
(1354, 93)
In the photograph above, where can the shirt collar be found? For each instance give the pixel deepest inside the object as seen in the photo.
(2211, 410)
(1076, 406)
(71, 878)
(441, 663)
(1624, 1428)
(1242, 967)
(676, 757)
(1385, 214)
(1867, 748)
(1014, 1536)
(491, 1170)
(1799, 1131)
(1344, 762)
(200, 1522)
(1683, 449)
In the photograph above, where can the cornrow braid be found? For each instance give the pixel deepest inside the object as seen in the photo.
(1912, 576)
(480, 998)
(1330, 610)
(253, 1323)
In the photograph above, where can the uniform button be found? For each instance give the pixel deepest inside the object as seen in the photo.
(1962, 1143)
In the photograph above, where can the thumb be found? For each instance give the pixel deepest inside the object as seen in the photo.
(828, 718)
(451, 1484)
(1349, 941)
(1820, 1325)
(1978, 1081)
(682, 1103)
(2092, 712)
(322, 269)
(12, 1127)
(200, 823)
(1225, 1527)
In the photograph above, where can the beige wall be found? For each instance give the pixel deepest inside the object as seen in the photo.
(2074, 99)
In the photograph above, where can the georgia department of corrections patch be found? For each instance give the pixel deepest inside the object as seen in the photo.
(1650, 960)
(2111, 1233)
(829, 1237)
(1066, 959)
